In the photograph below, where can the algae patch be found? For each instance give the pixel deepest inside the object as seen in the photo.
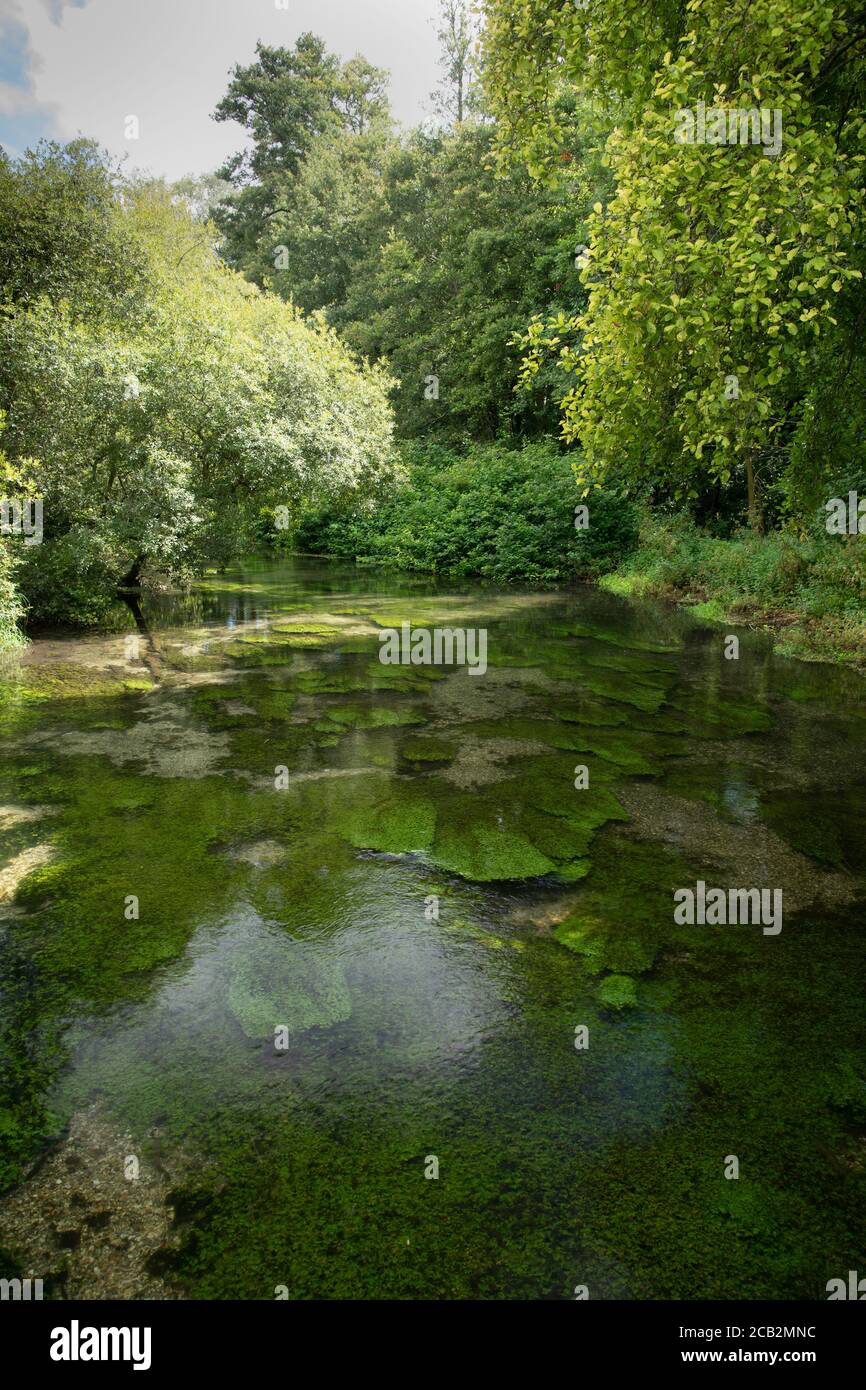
(288, 984)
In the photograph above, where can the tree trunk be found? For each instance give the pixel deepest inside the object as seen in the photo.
(756, 515)
(132, 578)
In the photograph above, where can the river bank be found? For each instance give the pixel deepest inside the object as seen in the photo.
(516, 516)
(807, 594)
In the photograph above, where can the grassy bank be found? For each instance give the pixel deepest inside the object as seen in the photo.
(509, 515)
(809, 593)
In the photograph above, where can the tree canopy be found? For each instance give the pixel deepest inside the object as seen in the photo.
(156, 399)
(724, 282)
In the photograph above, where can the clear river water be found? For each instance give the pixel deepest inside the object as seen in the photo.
(322, 978)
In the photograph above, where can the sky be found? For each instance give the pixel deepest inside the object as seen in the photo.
(83, 67)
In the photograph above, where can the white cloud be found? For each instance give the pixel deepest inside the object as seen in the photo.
(15, 101)
(55, 8)
(167, 62)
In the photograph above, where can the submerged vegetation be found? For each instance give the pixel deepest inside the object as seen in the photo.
(305, 903)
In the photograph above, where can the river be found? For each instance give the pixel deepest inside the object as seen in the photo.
(326, 978)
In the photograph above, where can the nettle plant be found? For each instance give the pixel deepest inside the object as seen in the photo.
(711, 264)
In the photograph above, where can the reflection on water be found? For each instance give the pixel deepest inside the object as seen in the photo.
(283, 923)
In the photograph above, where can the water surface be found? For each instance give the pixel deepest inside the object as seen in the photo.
(428, 908)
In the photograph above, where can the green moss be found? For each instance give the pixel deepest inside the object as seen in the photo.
(604, 944)
(285, 984)
(618, 992)
(621, 638)
(483, 936)
(273, 703)
(326, 682)
(52, 681)
(396, 821)
(358, 716)
(711, 715)
(547, 786)
(424, 748)
(412, 680)
(485, 852)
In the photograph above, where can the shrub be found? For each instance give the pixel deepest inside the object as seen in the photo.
(11, 606)
(506, 514)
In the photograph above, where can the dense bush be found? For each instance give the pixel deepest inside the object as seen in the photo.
(504, 513)
(69, 579)
(10, 604)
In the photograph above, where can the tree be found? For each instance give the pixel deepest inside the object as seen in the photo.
(158, 433)
(59, 231)
(361, 97)
(310, 249)
(287, 100)
(455, 96)
(720, 280)
(461, 260)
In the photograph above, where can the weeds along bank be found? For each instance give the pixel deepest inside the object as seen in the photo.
(808, 590)
(515, 515)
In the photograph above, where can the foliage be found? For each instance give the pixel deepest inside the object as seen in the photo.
(724, 284)
(506, 514)
(462, 258)
(287, 100)
(810, 589)
(156, 427)
(60, 234)
(413, 247)
(11, 607)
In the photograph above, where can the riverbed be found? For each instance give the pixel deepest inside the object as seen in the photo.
(329, 978)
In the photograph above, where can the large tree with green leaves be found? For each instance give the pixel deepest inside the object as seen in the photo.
(287, 100)
(724, 281)
(158, 424)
